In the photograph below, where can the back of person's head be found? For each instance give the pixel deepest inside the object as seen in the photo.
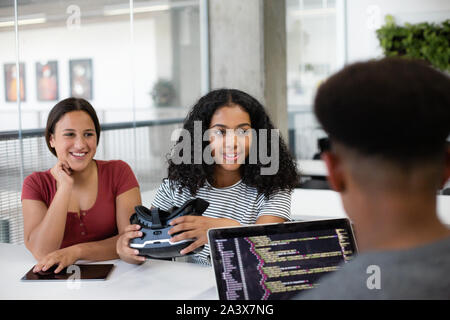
(393, 111)
(66, 106)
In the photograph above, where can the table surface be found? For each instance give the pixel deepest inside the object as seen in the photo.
(153, 280)
(312, 168)
(324, 204)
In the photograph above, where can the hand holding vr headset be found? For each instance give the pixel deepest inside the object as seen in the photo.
(165, 234)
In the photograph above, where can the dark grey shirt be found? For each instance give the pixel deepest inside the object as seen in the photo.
(418, 273)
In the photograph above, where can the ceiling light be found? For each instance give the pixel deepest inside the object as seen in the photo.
(120, 11)
(22, 22)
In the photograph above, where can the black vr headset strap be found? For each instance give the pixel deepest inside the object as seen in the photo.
(152, 216)
(143, 213)
(198, 206)
(156, 221)
(180, 209)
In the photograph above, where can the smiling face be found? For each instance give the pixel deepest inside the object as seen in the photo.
(230, 136)
(75, 139)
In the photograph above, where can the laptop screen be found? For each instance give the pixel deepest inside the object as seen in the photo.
(277, 261)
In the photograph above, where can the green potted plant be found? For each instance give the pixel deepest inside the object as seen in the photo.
(427, 41)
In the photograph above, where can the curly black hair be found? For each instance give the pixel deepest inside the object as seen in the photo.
(194, 176)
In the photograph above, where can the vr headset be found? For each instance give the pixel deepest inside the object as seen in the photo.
(155, 226)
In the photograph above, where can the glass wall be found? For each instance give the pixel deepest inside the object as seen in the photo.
(148, 61)
(139, 63)
(315, 49)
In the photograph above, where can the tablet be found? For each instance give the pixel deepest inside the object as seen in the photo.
(75, 271)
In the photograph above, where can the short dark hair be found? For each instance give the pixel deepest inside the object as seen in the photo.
(194, 176)
(65, 106)
(396, 108)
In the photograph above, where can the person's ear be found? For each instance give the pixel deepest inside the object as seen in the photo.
(52, 141)
(335, 175)
(446, 168)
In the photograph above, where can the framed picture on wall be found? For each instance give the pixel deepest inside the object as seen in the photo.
(81, 78)
(11, 82)
(47, 81)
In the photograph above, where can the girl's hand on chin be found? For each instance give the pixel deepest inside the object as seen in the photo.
(62, 172)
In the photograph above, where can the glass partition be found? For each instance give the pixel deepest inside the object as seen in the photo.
(139, 64)
(315, 49)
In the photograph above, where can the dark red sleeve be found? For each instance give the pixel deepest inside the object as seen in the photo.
(32, 188)
(126, 179)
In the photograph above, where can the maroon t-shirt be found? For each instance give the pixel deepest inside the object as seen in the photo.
(97, 223)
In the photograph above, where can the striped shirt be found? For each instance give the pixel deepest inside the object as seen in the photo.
(239, 202)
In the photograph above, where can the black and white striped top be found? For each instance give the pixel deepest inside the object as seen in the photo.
(239, 202)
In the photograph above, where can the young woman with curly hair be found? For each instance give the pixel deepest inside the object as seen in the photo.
(249, 180)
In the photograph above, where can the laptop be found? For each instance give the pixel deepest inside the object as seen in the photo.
(278, 261)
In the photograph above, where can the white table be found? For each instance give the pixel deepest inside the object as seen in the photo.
(312, 168)
(315, 204)
(324, 204)
(153, 280)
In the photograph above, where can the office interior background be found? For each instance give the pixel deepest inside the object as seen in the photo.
(142, 64)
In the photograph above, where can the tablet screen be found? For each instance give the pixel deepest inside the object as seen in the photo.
(75, 271)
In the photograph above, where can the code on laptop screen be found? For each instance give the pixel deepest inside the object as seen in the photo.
(278, 266)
